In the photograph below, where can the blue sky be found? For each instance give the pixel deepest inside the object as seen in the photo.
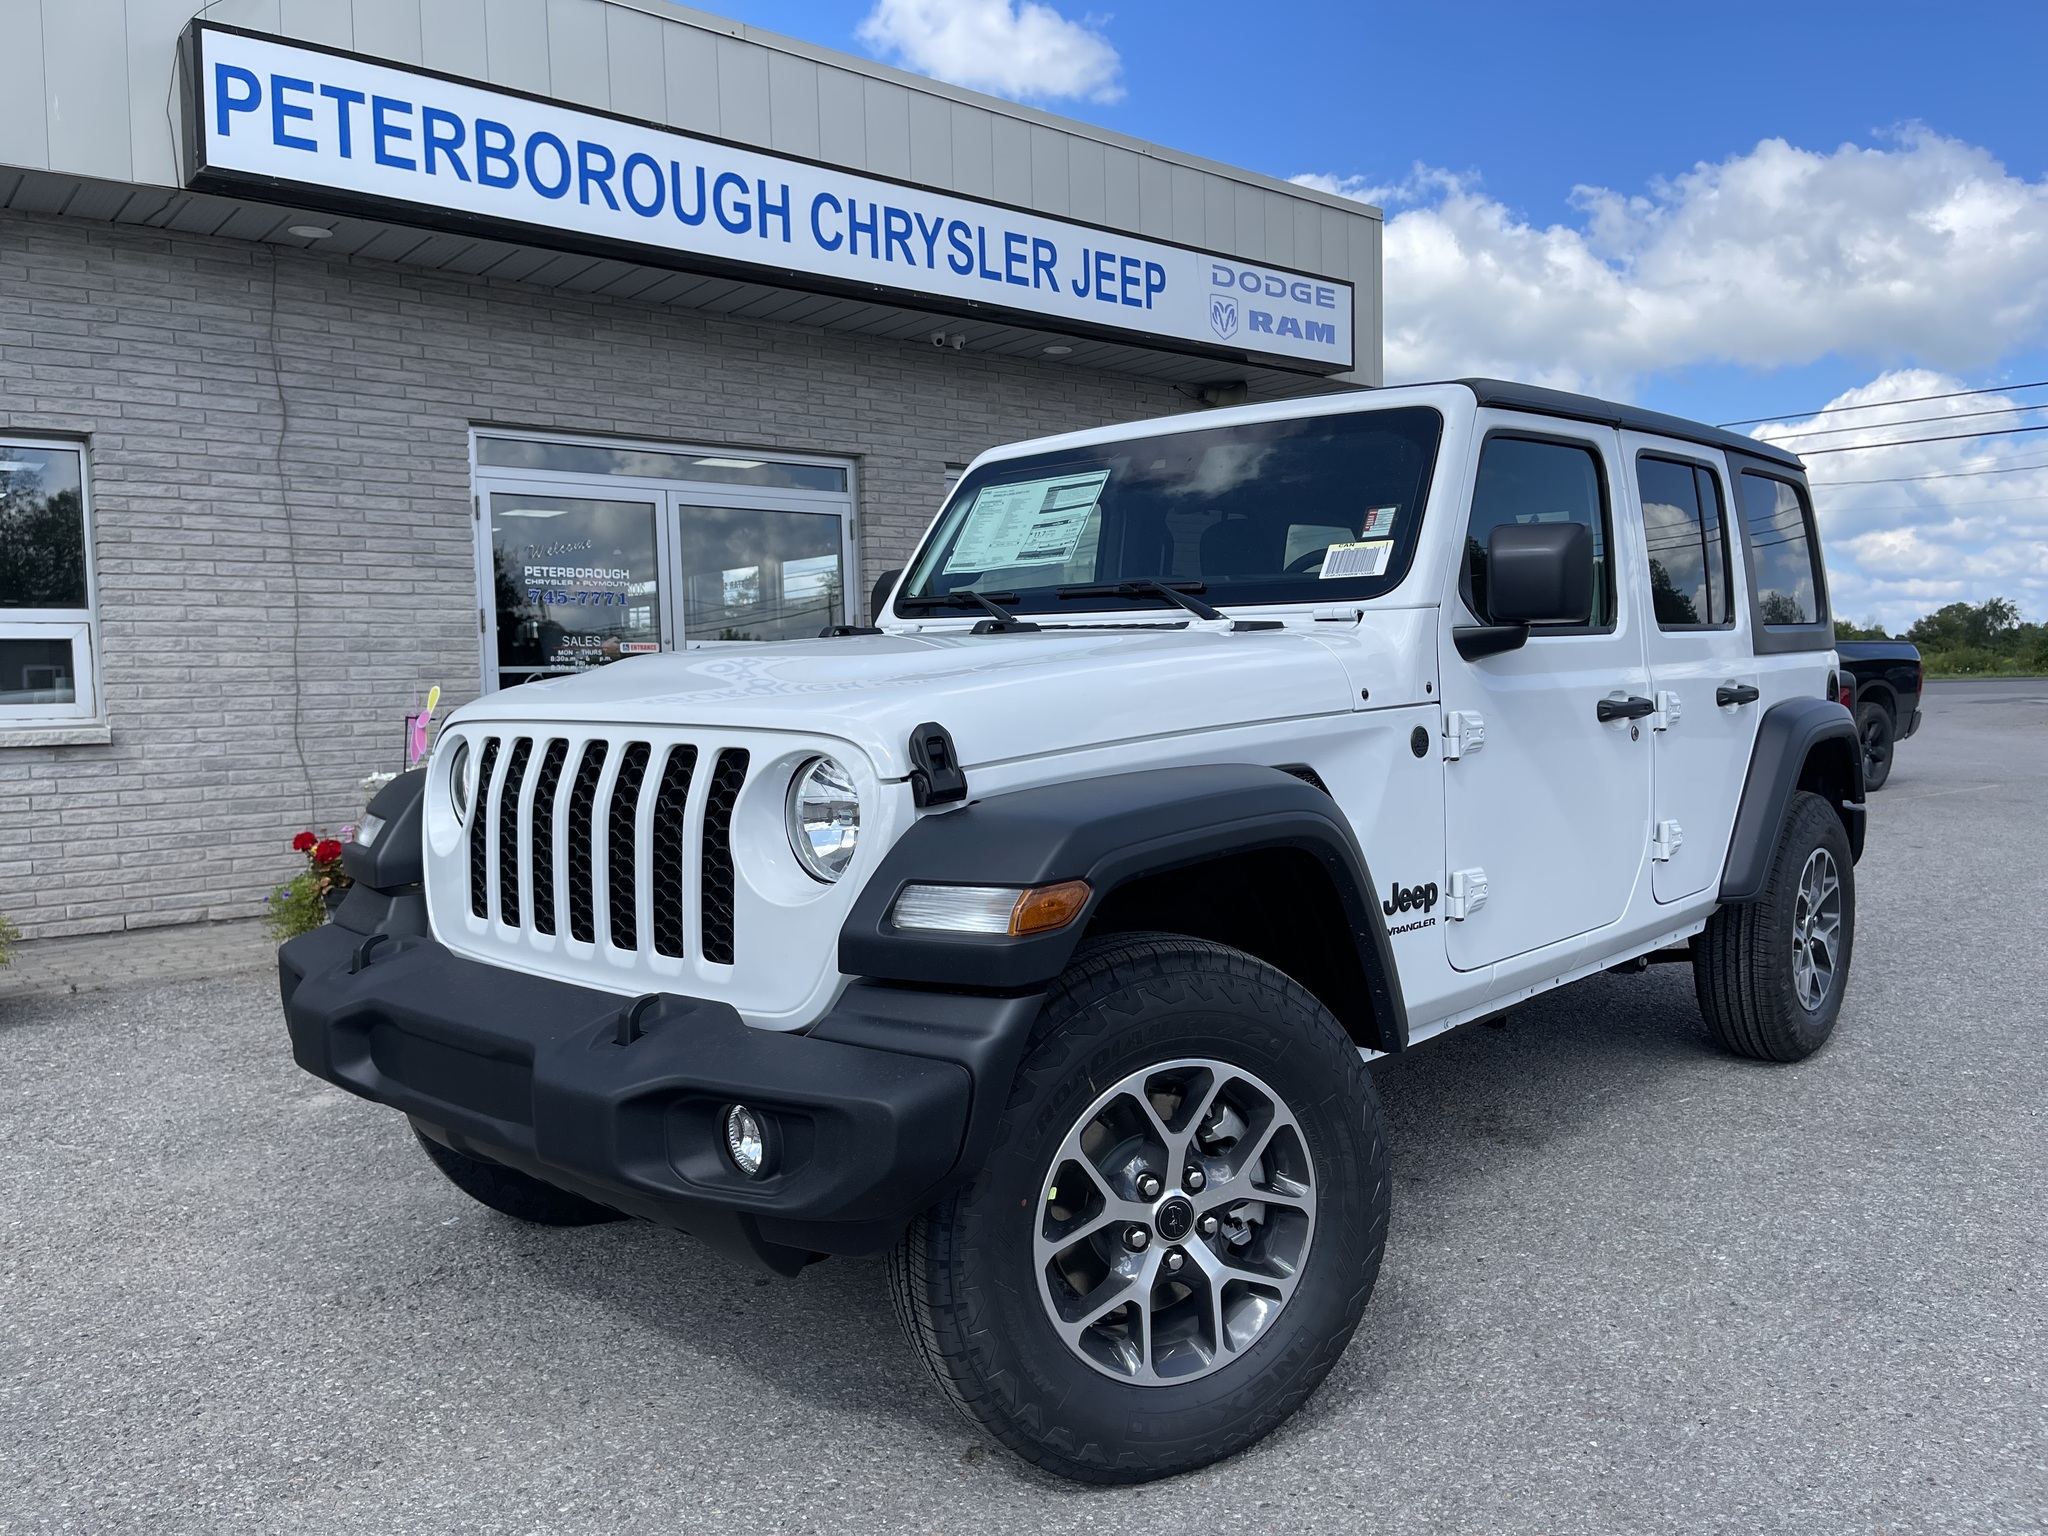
(1730, 211)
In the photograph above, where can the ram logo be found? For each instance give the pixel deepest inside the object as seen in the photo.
(1223, 314)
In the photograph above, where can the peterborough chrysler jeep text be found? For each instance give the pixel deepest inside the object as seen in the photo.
(1038, 937)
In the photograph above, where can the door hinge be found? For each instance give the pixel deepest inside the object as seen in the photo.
(1665, 841)
(1667, 712)
(1464, 732)
(1466, 896)
(483, 622)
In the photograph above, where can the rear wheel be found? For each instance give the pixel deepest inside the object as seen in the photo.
(1177, 1229)
(1875, 729)
(512, 1192)
(1770, 973)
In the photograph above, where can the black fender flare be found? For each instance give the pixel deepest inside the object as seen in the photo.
(1786, 738)
(1109, 831)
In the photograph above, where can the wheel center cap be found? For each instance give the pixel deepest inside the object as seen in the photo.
(1176, 1219)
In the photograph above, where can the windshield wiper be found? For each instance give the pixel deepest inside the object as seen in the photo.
(1178, 593)
(998, 622)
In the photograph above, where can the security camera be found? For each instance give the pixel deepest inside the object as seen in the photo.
(956, 341)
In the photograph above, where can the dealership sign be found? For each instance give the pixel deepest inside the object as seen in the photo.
(323, 128)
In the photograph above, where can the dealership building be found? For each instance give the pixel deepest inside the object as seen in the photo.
(352, 348)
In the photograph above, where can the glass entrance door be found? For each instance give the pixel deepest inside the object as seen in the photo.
(753, 573)
(590, 553)
(576, 582)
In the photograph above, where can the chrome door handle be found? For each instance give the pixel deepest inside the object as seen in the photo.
(1740, 693)
(1635, 707)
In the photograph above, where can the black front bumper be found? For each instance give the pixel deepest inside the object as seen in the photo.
(882, 1106)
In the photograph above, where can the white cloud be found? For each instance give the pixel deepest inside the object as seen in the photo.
(1909, 529)
(1925, 251)
(1012, 47)
(1923, 257)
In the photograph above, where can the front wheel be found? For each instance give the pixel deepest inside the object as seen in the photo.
(1770, 973)
(1177, 1229)
(511, 1192)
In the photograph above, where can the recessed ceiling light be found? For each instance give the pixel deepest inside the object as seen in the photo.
(310, 231)
(1057, 351)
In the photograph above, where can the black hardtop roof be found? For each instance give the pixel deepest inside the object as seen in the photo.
(1607, 413)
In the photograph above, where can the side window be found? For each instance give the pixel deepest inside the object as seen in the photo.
(1534, 480)
(1781, 547)
(1687, 534)
(47, 623)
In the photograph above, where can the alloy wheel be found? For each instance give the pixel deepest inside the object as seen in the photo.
(1816, 929)
(1176, 1220)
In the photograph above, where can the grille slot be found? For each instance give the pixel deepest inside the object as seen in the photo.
(545, 783)
(582, 799)
(508, 831)
(726, 779)
(665, 871)
(620, 837)
(479, 834)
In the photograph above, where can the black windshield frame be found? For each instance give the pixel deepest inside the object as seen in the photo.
(1164, 496)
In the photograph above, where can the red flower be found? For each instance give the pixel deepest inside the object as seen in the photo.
(303, 842)
(326, 851)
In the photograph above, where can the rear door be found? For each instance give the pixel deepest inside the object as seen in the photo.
(1703, 671)
(1544, 803)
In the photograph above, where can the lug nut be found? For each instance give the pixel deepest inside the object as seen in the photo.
(1174, 1260)
(1136, 1239)
(1149, 1186)
(1193, 1180)
(1208, 1226)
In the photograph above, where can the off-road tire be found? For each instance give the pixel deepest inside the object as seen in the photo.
(512, 1192)
(1877, 735)
(962, 1277)
(1743, 963)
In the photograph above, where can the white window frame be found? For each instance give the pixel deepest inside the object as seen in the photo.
(84, 719)
(668, 496)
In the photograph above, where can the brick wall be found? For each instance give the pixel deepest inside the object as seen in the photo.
(279, 459)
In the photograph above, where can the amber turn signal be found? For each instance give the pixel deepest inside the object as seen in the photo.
(1044, 908)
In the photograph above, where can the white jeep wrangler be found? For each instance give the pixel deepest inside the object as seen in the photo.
(1039, 937)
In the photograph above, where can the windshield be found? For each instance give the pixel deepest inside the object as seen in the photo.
(1316, 509)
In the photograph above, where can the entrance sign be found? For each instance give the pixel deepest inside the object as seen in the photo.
(334, 129)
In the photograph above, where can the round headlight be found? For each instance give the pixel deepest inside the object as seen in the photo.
(824, 818)
(458, 780)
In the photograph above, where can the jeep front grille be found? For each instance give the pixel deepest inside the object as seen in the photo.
(601, 829)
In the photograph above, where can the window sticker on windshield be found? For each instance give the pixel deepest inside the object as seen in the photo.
(1034, 522)
(1379, 523)
(1362, 559)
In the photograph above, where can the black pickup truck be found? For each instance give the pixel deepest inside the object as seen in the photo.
(1885, 699)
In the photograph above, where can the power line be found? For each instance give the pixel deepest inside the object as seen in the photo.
(1907, 442)
(1951, 474)
(1835, 410)
(1910, 421)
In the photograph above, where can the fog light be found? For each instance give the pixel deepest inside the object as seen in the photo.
(746, 1141)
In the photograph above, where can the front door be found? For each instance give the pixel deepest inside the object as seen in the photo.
(591, 552)
(575, 579)
(1702, 666)
(1546, 807)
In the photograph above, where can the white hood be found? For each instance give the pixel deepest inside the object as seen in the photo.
(1002, 697)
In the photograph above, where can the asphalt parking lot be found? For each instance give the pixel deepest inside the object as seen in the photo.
(1633, 1285)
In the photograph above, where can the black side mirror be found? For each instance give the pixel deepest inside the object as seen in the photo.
(1539, 573)
(885, 584)
(1536, 573)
